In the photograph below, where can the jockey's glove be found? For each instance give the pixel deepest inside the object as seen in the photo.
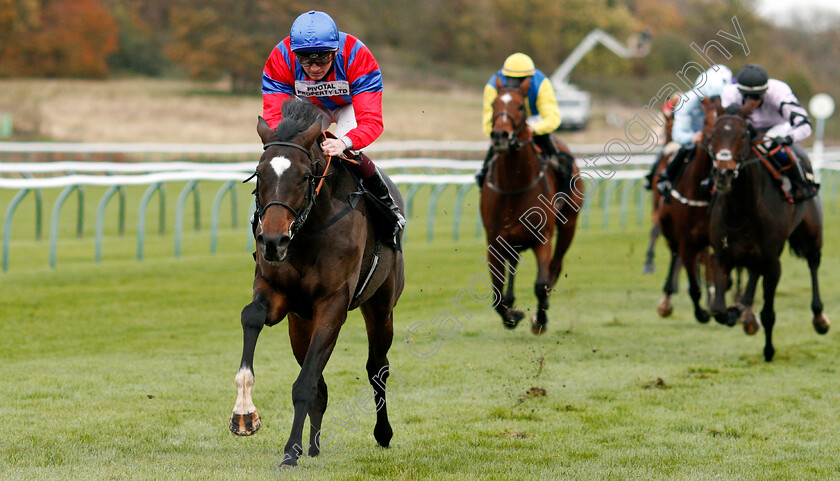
(783, 140)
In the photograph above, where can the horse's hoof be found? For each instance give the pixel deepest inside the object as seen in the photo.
(769, 351)
(245, 424)
(733, 313)
(536, 327)
(702, 316)
(649, 268)
(383, 435)
(821, 324)
(750, 323)
(665, 307)
(288, 463)
(512, 318)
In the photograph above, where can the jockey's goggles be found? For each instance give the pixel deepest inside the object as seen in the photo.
(316, 58)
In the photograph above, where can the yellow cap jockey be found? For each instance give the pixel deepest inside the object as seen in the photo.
(540, 99)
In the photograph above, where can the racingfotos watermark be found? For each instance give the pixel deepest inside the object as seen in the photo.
(424, 339)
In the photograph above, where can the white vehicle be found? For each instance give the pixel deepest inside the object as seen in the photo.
(574, 106)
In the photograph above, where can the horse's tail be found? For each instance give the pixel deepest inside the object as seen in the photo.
(798, 248)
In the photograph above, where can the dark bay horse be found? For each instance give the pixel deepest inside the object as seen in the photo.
(522, 202)
(318, 256)
(750, 223)
(660, 163)
(684, 220)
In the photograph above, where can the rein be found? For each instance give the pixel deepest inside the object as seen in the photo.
(301, 213)
(516, 145)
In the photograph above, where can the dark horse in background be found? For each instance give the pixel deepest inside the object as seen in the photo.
(684, 219)
(318, 256)
(659, 165)
(750, 223)
(522, 202)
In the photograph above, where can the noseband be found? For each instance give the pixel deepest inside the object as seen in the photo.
(513, 142)
(725, 159)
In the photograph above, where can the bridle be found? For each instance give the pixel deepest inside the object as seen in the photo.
(513, 140)
(313, 189)
(725, 160)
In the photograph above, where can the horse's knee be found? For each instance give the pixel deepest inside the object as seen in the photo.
(304, 392)
(254, 316)
(541, 290)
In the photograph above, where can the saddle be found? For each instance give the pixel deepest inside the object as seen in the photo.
(560, 162)
(781, 163)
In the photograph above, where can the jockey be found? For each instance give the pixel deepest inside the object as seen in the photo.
(541, 108)
(781, 119)
(689, 120)
(336, 72)
(670, 146)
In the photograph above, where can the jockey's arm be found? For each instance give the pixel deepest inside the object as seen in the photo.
(683, 129)
(490, 94)
(369, 125)
(796, 115)
(548, 110)
(365, 79)
(277, 86)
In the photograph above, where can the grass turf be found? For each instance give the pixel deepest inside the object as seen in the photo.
(124, 370)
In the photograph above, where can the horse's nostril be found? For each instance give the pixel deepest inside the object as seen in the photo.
(260, 238)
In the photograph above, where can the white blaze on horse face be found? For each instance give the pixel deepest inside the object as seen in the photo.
(506, 98)
(244, 382)
(280, 164)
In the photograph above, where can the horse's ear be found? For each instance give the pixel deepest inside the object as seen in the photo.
(310, 135)
(748, 107)
(525, 86)
(264, 130)
(498, 83)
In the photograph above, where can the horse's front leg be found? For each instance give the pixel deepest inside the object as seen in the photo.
(266, 308)
(542, 288)
(768, 313)
(719, 310)
(329, 314)
(650, 267)
(666, 306)
(498, 274)
(747, 315)
(689, 259)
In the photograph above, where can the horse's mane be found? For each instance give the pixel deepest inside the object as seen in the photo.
(298, 115)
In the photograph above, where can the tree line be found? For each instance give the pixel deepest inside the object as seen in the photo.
(212, 39)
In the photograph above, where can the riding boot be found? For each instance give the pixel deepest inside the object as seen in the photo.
(672, 170)
(381, 196)
(802, 181)
(560, 162)
(482, 173)
(649, 177)
(802, 185)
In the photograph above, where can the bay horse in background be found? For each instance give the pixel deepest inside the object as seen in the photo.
(750, 223)
(523, 201)
(684, 219)
(315, 261)
(668, 152)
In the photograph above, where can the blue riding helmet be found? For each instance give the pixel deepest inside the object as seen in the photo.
(314, 31)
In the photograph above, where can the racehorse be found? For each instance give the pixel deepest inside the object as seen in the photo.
(661, 161)
(750, 223)
(685, 222)
(522, 202)
(318, 256)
